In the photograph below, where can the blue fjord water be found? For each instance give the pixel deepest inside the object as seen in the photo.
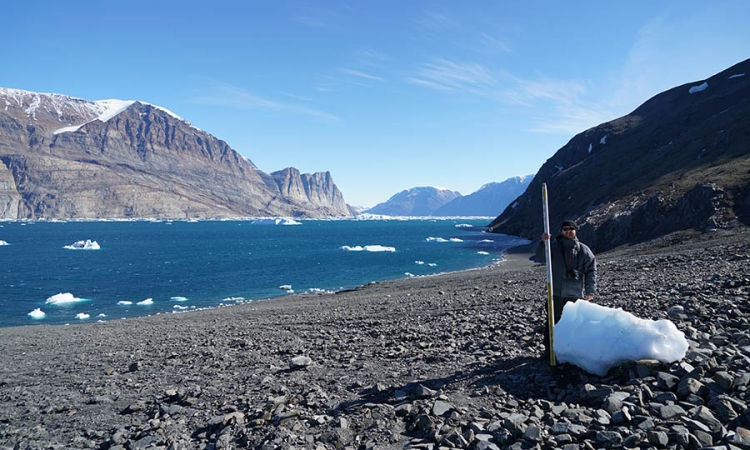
(153, 267)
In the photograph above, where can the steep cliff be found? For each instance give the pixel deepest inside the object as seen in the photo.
(69, 158)
(679, 161)
(317, 188)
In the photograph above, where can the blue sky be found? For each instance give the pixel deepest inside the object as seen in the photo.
(386, 95)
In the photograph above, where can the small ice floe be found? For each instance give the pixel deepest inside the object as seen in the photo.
(124, 303)
(419, 263)
(287, 287)
(409, 274)
(180, 307)
(178, 299)
(368, 248)
(3, 243)
(82, 316)
(432, 264)
(456, 240)
(482, 253)
(147, 302)
(275, 221)
(88, 244)
(101, 315)
(59, 299)
(37, 314)
(436, 239)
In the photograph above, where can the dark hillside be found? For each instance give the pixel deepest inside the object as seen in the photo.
(679, 161)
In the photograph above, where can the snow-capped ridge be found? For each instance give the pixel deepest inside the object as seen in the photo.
(63, 105)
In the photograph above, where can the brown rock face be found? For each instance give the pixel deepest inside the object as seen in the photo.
(58, 160)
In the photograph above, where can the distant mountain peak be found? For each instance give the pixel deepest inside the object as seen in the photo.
(435, 201)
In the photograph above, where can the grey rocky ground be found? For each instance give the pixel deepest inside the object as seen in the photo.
(450, 361)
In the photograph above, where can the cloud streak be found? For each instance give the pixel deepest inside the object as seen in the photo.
(228, 95)
(360, 74)
(559, 105)
(450, 76)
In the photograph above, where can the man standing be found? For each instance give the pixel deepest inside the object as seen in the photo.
(573, 271)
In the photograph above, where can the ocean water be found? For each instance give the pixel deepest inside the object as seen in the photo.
(142, 268)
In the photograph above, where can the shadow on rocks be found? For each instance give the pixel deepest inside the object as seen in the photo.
(520, 378)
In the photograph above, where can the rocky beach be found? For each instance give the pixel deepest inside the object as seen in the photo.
(447, 361)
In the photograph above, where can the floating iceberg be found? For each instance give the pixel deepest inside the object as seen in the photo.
(3, 243)
(147, 302)
(59, 299)
(368, 248)
(276, 221)
(125, 302)
(88, 244)
(596, 338)
(178, 299)
(37, 314)
(82, 316)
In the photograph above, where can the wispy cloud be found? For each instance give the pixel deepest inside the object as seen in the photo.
(447, 75)
(492, 44)
(559, 106)
(437, 21)
(360, 74)
(370, 58)
(315, 17)
(225, 94)
(556, 106)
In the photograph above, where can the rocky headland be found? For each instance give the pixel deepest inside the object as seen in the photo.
(450, 361)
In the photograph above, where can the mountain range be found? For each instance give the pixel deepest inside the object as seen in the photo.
(432, 201)
(680, 161)
(63, 157)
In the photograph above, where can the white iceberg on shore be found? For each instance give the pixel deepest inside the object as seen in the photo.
(596, 338)
(88, 244)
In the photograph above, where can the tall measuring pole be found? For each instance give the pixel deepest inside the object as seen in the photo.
(550, 301)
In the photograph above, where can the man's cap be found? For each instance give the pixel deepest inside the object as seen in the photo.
(569, 223)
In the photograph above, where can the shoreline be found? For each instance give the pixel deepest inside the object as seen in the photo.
(449, 360)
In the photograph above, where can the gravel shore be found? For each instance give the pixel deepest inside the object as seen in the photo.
(448, 361)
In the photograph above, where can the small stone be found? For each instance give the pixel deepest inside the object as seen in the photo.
(299, 362)
(724, 379)
(741, 436)
(658, 438)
